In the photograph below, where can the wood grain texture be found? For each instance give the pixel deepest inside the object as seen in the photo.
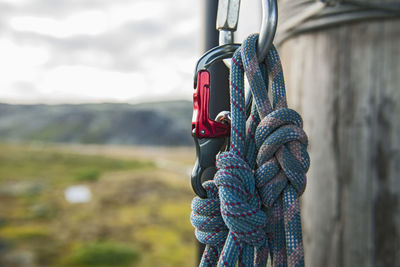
(345, 82)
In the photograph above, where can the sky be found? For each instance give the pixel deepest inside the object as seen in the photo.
(81, 51)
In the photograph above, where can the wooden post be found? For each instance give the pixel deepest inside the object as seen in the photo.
(345, 82)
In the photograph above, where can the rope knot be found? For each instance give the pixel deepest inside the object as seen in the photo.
(282, 156)
(240, 203)
(206, 217)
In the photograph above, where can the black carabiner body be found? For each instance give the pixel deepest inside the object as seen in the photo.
(209, 135)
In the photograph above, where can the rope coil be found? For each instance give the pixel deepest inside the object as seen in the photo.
(300, 16)
(254, 194)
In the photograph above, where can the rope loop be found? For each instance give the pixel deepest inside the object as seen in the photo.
(240, 205)
(210, 227)
(206, 217)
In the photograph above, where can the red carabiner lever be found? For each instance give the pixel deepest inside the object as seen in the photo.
(202, 125)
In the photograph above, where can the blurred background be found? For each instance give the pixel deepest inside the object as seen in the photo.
(95, 113)
(95, 150)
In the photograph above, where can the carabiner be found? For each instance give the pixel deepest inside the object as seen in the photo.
(227, 20)
(209, 135)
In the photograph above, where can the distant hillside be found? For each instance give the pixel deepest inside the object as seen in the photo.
(162, 123)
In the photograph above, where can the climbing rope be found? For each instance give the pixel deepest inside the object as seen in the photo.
(252, 209)
(300, 16)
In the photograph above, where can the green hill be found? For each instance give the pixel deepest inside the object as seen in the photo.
(158, 124)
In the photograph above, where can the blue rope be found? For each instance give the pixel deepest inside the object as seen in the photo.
(252, 211)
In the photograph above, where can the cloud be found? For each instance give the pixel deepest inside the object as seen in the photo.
(88, 23)
(93, 50)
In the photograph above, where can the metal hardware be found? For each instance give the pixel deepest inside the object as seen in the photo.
(213, 55)
(224, 117)
(206, 151)
(209, 135)
(202, 125)
(227, 20)
(268, 28)
(228, 13)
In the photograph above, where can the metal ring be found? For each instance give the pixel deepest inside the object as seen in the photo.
(228, 16)
(268, 28)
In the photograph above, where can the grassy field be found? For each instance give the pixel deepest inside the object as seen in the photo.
(138, 214)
